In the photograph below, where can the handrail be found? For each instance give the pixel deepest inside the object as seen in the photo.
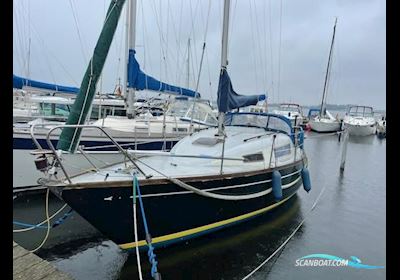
(124, 152)
(51, 146)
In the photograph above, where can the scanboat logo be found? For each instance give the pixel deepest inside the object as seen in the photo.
(329, 260)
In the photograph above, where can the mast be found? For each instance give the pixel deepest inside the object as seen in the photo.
(224, 56)
(130, 112)
(188, 66)
(322, 110)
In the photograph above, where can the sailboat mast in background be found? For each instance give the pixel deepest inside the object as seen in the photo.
(131, 18)
(328, 70)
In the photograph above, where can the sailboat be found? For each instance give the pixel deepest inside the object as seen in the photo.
(218, 177)
(325, 122)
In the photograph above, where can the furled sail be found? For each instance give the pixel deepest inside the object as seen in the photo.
(20, 82)
(69, 137)
(140, 81)
(228, 99)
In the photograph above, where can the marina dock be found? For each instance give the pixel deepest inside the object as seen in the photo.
(27, 265)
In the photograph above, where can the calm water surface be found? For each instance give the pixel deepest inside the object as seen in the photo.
(349, 220)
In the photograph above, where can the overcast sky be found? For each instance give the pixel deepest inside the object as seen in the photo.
(288, 63)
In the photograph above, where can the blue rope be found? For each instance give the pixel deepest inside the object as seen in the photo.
(28, 225)
(59, 221)
(62, 219)
(152, 256)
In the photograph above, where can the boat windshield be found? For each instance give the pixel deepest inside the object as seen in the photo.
(48, 109)
(184, 110)
(263, 120)
(179, 108)
(361, 111)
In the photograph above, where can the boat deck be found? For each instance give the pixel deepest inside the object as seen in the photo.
(204, 159)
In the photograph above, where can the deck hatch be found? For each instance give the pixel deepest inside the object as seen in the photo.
(207, 141)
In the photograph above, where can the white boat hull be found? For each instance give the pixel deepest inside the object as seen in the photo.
(361, 130)
(359, 121)
(324, 125)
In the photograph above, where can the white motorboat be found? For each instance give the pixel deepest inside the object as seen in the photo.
(381, 128)
(292, 111)
(360, 121)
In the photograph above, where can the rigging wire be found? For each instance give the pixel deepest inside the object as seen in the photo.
(81, 44)
(209, 79)
(118, 52)
(265, 52)
(17, 36)
(192, 32)
(253, 45)
(261, 60)
(45, 50)
(280, 47)
(178, 38)
(144, 38)
(232, 22)
(271, 52)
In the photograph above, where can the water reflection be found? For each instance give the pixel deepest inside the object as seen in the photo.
(368, 140)
(239, 248)
(73, 233)
(349, 220)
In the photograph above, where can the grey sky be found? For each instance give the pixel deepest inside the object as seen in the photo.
(359, 60)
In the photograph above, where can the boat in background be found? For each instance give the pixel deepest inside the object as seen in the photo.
(145, 131)
(28, 107)
(292, 111)
(381, 128)
(325, 122)
(260, 107)
(360, 121)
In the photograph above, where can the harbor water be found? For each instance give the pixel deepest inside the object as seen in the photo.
(348, 221)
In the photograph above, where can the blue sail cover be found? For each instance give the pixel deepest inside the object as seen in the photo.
(19, 82)
(228, 99)
(140, 81)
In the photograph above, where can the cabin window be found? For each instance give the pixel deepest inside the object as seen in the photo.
(282, 151)
(179, 129)
(253, 157)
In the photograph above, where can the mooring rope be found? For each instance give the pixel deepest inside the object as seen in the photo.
(48, 224)
(55, 224)
(288, 239)
(135, 227)
(31, 227)
(152, 256)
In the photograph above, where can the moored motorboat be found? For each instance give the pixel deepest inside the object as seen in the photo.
(360, 121)
(291, 111)
(381, 128)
